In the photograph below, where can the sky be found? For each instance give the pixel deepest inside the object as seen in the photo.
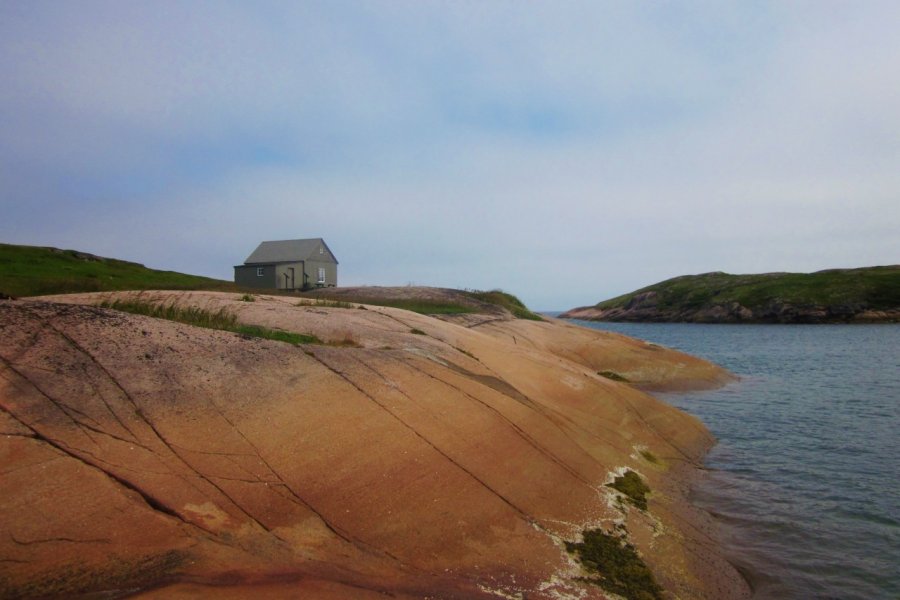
(566, 152)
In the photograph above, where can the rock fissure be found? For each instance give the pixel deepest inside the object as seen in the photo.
(140, 413)
(431, 444)
(443, 454)
(519, 431)
(58, 539)
(293, 495)
(61, 447)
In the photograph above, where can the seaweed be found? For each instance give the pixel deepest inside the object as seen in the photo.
(615, 565)
(634, 488)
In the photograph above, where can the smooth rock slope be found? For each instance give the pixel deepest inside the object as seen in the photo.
(407, 455)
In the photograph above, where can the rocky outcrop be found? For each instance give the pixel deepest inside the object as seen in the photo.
(405, 455)
(733, 312)
(866, 295)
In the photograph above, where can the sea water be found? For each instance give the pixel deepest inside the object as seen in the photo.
(805, 479)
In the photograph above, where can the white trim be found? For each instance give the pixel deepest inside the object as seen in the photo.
(321, 278)
(260, 271)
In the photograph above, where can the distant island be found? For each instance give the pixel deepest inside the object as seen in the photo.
(866, 295)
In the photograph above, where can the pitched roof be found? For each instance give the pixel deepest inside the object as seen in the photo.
(288, 251)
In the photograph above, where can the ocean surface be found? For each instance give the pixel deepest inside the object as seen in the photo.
(805, 479)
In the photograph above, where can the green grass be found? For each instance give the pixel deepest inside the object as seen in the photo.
(615, 566)
(876, 288)
(612, 375)
(191, 315)
(507, 301)
(35, 271)
(442, 307)
(222, 320)
(325, 303)
(424, 307)
(276, 334)
(634, 488)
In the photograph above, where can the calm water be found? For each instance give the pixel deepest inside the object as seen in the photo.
(805, 479)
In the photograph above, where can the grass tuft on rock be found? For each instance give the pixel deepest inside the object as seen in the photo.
(615, 566)
(222, 320)
(278, 335)
(634, 488)
(417, 305)
(507, 301)
(613, 376)
(326, 303)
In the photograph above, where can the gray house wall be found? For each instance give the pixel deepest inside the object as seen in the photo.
(279, 276)
(245, 275)
(312, 268)
(288, 265)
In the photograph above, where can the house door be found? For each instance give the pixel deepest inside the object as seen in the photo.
(291, 269)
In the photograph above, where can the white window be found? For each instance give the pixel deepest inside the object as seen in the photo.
(321, 250)
(321, 275)
(260, 271)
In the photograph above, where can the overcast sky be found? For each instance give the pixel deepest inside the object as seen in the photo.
(563, 151)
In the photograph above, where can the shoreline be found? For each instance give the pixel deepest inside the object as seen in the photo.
(709, 560)
(817, 316)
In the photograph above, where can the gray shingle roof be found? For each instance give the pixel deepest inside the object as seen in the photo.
(288, 251)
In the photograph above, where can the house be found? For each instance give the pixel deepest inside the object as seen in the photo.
(289, 265)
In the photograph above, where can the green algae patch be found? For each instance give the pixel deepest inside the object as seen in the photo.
(649, 457)
(613, 376)
(615, 566)
(634, 488)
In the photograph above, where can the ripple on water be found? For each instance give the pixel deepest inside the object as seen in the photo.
(805, 477)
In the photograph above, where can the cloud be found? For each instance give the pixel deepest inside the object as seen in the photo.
(566, 153)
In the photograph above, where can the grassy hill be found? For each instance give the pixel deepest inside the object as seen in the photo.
(36, 270)
(824, 296)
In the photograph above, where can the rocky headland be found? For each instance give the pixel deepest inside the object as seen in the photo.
(870, 295)
(393, 453)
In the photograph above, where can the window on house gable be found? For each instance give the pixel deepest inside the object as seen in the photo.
(321, 250)
(321, 275)
(260, 271)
